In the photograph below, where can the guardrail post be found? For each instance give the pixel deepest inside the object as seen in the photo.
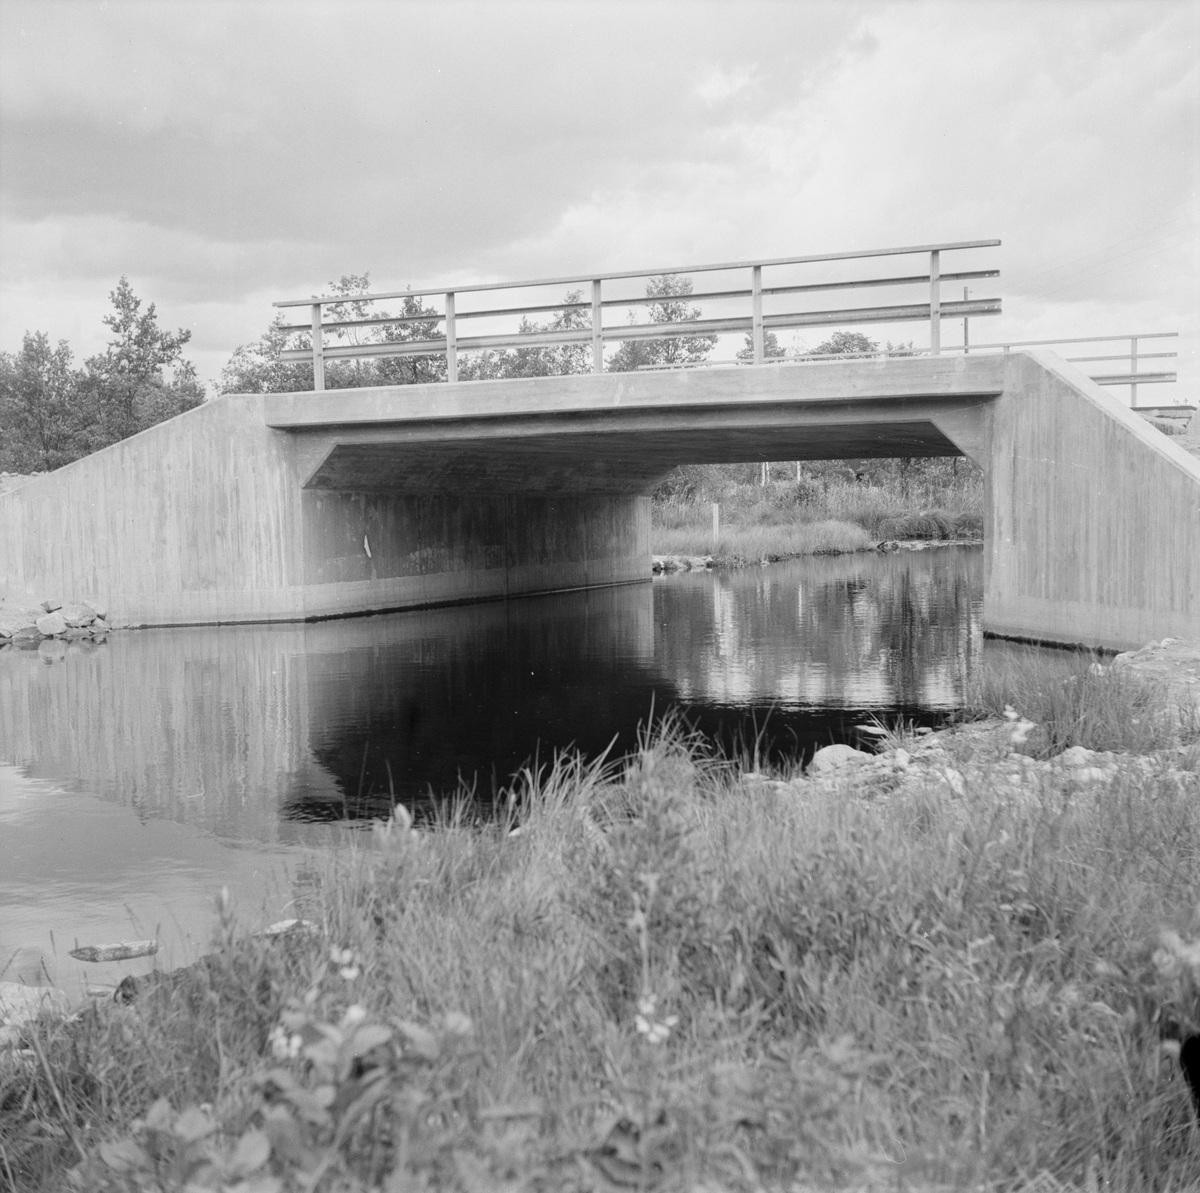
(935, 303)
(597, 329)
(318, 349)
(756, 313)
(1133, 359)
(451, 340)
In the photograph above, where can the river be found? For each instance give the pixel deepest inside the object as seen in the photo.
(140, 775)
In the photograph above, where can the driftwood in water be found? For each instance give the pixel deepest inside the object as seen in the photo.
(124, 950)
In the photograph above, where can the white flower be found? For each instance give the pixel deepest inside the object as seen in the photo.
(1021, 731)
(655, 1031)
(283, 1045)
(345, 960)
(355, 1014)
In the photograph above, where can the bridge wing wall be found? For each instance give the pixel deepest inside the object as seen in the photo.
(204, 520)
(1093, 523)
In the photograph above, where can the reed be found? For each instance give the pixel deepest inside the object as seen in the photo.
(737, 546)
(672, 976)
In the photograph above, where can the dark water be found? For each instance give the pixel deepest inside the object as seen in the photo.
(138, 776)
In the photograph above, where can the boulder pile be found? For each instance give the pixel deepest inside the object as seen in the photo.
(982, 754)
(31, 625)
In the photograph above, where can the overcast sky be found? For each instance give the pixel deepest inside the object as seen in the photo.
(224, 155)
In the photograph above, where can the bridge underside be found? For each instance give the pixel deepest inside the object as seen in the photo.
(305, 505)
(608, 460)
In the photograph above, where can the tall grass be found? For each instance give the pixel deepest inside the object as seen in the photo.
(753, 544)
(672, 978)
(1076, 698)
(784, 512)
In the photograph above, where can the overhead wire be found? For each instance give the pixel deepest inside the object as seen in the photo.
(1111, 265)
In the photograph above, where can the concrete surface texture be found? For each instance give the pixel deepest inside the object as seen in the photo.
(306, 505)
(1093, 519)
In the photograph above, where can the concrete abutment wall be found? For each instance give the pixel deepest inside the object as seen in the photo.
(204, 520)
(1093, 519)
(289, 507)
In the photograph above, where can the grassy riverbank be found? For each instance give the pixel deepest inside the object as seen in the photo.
(677, 975)
(827, 507)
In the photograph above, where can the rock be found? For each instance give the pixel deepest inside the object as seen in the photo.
(98, 607)
(51, 624)
(1075, 756)
(100, 626)
(124, 950)
(830, 758)
(74, 633)
(12, 621)
(77, 615)
(955, 780)
(288, 927)
(51, 605)
(21, 1005)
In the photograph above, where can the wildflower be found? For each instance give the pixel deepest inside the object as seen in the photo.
(655, 1030)
(355, 1014)
(1021, 728)
(347, 965)
(284, 1045)
(458, 1024)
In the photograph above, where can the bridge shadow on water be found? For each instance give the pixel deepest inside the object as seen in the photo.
(266, 733)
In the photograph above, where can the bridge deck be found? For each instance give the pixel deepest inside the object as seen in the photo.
(619, 432)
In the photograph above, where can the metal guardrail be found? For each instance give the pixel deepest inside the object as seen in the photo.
(1133, 378)
(756, 322)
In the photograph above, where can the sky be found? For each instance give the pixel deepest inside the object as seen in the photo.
(222, 156)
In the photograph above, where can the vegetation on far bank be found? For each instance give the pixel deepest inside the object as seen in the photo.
(52, 413)
(812, 507)
(678, 975)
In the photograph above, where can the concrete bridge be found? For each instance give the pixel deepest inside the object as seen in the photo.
(327, 503)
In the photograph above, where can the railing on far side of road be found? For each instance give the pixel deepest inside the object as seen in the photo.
(757, 322)
(1133, 378)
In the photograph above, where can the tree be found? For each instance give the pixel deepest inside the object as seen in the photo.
(260, 369)
(854, 343)
(679, 350)
(412, 370)
(45, 420)
(127, 382)
(51, 413)
(771, 348)
(847, 343)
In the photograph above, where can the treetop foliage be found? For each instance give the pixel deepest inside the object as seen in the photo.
(259, 367)
(52, 413)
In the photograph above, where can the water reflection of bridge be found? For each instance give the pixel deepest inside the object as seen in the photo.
(248, 731)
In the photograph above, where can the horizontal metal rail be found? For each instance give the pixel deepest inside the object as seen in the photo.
(640, 301)
(1133, 378)
(436, 345)
(425, 341)
(580, 279)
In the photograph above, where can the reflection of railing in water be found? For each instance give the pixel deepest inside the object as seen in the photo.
(757, 323)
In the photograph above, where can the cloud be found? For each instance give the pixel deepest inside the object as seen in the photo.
(720, 85)
(222, 154)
